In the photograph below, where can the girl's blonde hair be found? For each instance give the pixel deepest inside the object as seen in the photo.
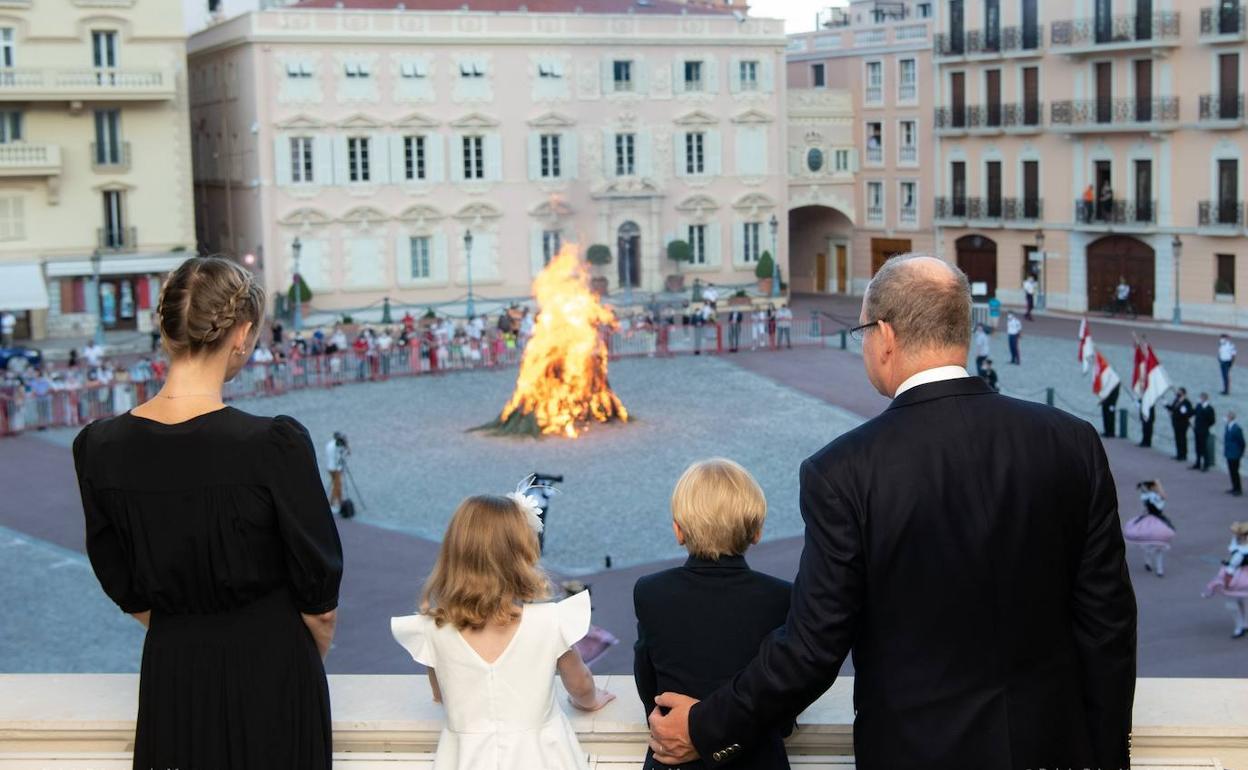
(487, 564)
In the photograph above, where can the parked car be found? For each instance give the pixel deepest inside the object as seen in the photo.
(19, 358)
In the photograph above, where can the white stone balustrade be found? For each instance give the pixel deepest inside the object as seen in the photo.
(390, 723)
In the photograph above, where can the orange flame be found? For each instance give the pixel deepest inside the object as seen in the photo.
(563, 375)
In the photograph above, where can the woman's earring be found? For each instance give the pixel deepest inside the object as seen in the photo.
(238, 351)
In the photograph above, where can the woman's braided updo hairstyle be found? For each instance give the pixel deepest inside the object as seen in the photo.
(201, 300)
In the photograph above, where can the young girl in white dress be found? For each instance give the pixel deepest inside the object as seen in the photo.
(493, 645)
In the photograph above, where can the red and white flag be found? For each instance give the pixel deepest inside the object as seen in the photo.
(1105, 378)
(1139, 369)
(1086, 348)
(1156, 381)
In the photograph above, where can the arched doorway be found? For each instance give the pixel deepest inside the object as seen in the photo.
(629, 251)
(977, 256)
(819, 250)
(1121, 256)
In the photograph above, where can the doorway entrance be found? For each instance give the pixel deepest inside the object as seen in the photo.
(883, 249)
(977, 257)
(629, 251)
(1121, 256)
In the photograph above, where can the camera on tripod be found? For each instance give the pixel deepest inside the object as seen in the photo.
(543, 489)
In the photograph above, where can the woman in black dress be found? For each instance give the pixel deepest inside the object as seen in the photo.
(211, 527)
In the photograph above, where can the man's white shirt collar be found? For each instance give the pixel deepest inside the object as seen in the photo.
(928, 376)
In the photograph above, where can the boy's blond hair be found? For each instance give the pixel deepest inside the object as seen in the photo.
(720, 508)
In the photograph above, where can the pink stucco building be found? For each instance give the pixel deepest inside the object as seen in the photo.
(378, 135)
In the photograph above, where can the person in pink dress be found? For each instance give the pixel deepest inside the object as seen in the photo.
(1152, 531)
(1232, 580)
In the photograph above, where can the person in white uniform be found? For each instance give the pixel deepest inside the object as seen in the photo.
(493, 644)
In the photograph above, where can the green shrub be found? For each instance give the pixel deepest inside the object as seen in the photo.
(305, 294)
(766, 266)
(598, 255)
(680, 251)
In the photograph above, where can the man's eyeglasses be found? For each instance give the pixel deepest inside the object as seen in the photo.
(858, 332)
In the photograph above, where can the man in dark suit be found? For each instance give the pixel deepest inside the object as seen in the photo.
(967, 548)
(1180, 419)
(1108, 406)
(1146, 424)
(1203, 420)
(735, 317)
(1233, 450)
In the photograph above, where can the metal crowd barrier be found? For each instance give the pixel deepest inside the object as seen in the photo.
(21, 410)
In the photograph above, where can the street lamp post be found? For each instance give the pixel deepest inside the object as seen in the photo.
(1043, 302)
(472, 305)
(1177, 246)
(775, 257)
(295, 248)
(99, 299)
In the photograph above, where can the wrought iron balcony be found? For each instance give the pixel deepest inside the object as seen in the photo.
(1225, 23)
(1221, 108)
(112, 84)
(117, 238)
(875, 214)
(908, 153)
(1023, 116)
(110, 158)
(1117, 212)
(1007, 41)
(1023, 210)
(965, 208)
(19, 159)
(1221, 215)
(1129, 114)
(908, 215)
(1126, 31)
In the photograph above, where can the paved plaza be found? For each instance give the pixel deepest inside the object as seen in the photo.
(414, 459)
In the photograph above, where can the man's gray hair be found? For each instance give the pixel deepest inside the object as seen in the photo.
(927, 310)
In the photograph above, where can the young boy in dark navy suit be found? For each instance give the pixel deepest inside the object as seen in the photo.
(699, 624)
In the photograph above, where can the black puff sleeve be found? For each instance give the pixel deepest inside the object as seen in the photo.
(313, 549)
(107, 550)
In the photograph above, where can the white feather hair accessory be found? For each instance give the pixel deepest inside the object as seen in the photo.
(528, 503)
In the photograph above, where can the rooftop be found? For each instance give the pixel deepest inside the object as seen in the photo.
(650, 7)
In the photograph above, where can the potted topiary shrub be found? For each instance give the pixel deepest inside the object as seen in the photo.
(739, 298)
(764, 271)
(678, 251)
(304, 297)
(599, 256)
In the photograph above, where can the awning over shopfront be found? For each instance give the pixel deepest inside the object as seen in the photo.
(123, 264)
(22, 287)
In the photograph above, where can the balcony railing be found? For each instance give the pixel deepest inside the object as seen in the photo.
(1126, 31)
(117, 238)
(110, 158)
(1023, 115)
(25, 159)
(92, 83)
(875, 214)
(985, 42)
(908, 215)
(1223, 21)
(957, 207)
(1115, 212)
(1221, 107)
(1111, 114)
(1023, 210)
(907, 92)
(986, 117)
(875, 154)
(874, 95)
(908, 153)
(1221, 214)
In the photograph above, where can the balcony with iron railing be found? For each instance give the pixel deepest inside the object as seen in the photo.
(116, 239)
(908, 215)
(1082, 116)
(26, 159)
(1024, 212)
(908, 154)
(991, 118)
(875, 214)
(1221, 110)
(1223, 24)
(112, 84)
(1220, 217)
(956, 209)
(985, 44)
(110, 158)
(1116, 214)
(1115, 33)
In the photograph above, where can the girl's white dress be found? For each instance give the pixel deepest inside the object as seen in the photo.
(502, 715)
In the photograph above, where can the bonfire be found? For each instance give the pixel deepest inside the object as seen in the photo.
(562, 386)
